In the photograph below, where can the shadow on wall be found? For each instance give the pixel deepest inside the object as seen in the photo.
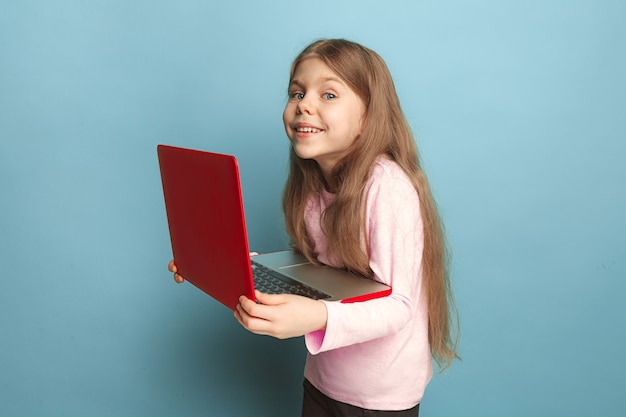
(209, 362)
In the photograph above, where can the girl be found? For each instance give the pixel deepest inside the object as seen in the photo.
(357, 198)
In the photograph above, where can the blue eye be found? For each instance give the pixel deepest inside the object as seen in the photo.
(329, 96)
(297, 96)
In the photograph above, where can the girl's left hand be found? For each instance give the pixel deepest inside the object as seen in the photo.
(281, 315)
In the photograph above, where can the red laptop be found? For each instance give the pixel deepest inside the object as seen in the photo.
(207, 227)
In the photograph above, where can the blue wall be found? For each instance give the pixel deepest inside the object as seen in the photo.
(519, 108)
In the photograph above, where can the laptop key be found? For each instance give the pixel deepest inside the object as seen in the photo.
(270, 282)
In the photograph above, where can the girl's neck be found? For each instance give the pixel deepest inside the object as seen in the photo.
(330, 185)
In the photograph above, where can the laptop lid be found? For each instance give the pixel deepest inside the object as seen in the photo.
(204, 208)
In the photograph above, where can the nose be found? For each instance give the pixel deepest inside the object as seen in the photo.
(304, 105)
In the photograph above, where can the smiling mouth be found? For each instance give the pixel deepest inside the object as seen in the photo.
(307, 130)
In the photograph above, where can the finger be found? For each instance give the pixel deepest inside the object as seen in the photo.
(246, 304)
(172, 266)
(251, 323)
(179, 279)
(238, 316)
(269, 299)
(254, 310)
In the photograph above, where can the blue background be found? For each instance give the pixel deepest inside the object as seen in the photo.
(519, 109)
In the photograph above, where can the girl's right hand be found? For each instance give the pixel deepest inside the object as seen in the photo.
(172, 268)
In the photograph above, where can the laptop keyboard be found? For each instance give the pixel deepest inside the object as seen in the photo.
(271, 282)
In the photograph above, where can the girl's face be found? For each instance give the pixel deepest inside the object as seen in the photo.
(323, 116)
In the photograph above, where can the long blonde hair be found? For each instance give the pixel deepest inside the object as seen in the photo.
(385, 132)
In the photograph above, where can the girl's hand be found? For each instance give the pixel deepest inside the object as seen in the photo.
(172, 268)
(281, 315)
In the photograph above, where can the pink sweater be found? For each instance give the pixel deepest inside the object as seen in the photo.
(375, 354)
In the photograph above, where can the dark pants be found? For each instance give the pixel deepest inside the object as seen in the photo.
(316, 404)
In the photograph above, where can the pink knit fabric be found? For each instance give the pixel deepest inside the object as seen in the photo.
(375, 354)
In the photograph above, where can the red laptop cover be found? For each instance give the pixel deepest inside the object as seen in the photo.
(209, 241)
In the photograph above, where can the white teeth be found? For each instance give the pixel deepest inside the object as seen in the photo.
(307, 130)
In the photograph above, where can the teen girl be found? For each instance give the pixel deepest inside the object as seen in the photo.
(357, 198)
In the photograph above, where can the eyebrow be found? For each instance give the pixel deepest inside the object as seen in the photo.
(321, 81)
